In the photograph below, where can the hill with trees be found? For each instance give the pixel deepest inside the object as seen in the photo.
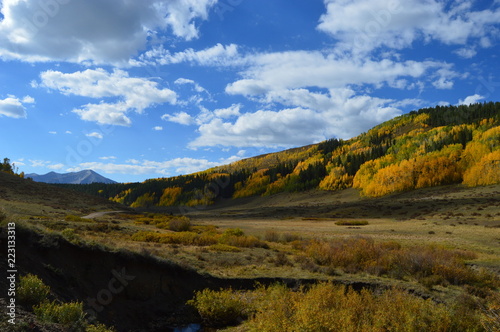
(424, 148)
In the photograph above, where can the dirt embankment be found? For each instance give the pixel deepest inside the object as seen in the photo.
(127, 290)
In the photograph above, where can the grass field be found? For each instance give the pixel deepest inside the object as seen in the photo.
(437, 242)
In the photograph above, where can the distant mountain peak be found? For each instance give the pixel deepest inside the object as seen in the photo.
(86, 176)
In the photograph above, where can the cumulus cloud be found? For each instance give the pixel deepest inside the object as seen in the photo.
(14, 107)
(470, 100)
(298, 108)
(180, 118)
(344, 115)
(132, 94)
(286, 70)
(182, 13)
(364, 25)
(93, 30)
(224, 113)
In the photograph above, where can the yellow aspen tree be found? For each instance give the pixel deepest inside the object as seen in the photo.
(486, 172)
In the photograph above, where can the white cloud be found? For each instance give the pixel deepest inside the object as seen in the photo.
(19, 162)
(95, 135)
(93, 30)
(13, 107)
(364, 25)
(182, 13)
(443, 83)
(55, 166)
(307, 96)
(45, 164)
(107, 158)
(167, 168)
(224, 113)
(218, 55)
(28, 100)
(133, 94)
(158, 128)
(68, 132)
(53, 132)
(465, 52)
(470, 100)
(180, 118)
(197, 87)
(298, 69)
(344, 115)
(408, 102)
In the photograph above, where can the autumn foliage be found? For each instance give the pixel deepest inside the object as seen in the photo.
(425, 148)
(329, 307)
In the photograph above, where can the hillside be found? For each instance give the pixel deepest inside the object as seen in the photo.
(24, 197)
(425, 148)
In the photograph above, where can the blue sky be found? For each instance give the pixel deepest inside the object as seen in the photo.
(156, 88)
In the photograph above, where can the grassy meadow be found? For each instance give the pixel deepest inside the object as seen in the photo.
(433, 251)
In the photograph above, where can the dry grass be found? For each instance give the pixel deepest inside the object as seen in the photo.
(297, 235)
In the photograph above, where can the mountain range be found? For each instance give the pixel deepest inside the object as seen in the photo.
(83, 177)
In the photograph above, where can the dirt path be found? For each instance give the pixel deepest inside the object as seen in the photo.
(100, 214)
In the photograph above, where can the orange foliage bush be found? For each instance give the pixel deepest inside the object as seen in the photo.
(362, 254)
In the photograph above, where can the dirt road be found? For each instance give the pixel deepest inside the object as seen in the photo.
(100, 214)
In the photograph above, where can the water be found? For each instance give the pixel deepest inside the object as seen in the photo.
(189, 328)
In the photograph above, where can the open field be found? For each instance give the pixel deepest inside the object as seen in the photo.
(436, 243)
(454, 216)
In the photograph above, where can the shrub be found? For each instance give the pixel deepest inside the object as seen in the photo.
(181, 224)
(224, 247)
(99, 328)
(233, 232)
(243, 241)
(281, 259)
(70, 235)
(272, 236)
(328, 307)
(183, 238)
(67, 314)
(362, 254)
(220, 308)
(31, 290)
(351, 223)
(290, 237)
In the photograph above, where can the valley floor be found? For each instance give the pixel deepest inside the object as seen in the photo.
(285, 237)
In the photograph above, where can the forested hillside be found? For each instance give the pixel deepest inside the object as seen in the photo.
(429, 147)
